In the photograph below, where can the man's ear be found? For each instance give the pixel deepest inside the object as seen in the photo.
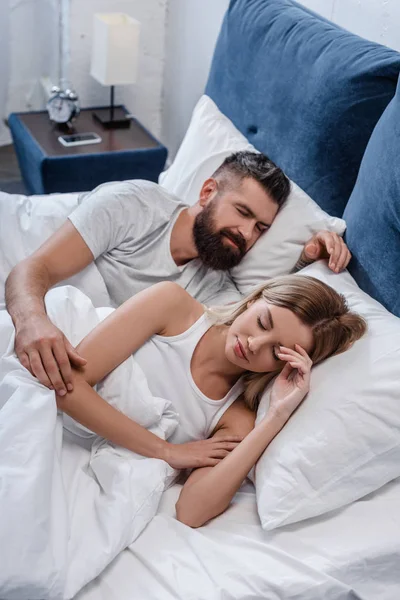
(208, 191)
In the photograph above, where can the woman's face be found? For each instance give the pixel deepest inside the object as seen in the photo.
(255, 337)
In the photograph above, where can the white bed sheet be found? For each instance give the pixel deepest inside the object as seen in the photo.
(352, 553)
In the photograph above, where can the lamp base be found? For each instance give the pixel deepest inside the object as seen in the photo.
(112, 118)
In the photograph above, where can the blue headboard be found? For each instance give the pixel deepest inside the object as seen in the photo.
(308, 94)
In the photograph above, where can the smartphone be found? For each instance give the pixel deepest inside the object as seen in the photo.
(79, 139)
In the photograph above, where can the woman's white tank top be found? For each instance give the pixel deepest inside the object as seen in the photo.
(166, 364)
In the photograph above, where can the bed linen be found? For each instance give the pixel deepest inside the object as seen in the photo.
(349, 554)
(68, 508)
(26, 222)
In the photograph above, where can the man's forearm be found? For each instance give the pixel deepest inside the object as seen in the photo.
(303, 261)
(88, 408)
(25, 289)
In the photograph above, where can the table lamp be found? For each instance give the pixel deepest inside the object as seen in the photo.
(115, 54)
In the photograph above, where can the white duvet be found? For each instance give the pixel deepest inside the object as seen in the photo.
(69, 506)
(25, 223)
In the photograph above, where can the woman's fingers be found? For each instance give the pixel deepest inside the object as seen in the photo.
(301, 364)
(226, 445)
(227, 438)
(301, 350)
(287, 369)
(291, 357)
(220, 454)
(298, 353)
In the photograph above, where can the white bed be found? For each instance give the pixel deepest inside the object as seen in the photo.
(346, 554)
(350, 554)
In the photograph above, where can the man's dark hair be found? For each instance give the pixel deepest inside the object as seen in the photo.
(240, 165)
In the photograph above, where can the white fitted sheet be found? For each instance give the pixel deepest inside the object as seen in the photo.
(352, 553)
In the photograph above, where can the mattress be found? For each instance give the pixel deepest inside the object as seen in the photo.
(352, 553)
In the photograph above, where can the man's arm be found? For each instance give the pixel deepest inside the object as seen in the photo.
(40, 346)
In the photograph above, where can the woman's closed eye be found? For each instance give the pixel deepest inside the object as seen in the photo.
(261, 325)
(264, 328)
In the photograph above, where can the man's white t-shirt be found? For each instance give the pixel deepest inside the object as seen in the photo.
(127, 226)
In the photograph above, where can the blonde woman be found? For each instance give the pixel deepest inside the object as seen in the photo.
(213, 365)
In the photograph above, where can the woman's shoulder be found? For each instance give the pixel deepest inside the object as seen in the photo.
(183, 309)
(238, 419)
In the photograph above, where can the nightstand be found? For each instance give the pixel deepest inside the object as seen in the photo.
(47, 166)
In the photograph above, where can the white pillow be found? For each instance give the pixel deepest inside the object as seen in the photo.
(344, 440)
(210, 138)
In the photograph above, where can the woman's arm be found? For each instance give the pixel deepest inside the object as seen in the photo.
(88, 408)
(108, 345)
(164, 308)
(209, 491)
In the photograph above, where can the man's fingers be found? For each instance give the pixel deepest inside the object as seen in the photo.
(61, 356)
(53, 372)
(334, 248)
(24, 360)
(74, 356)
(312, 250)
(37, 368)
(341, 262)
(348, 258)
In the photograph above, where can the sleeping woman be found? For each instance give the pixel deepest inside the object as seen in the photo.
(213, 365)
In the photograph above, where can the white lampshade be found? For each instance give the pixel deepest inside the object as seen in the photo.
(115, 49)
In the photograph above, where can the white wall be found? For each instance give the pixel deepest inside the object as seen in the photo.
(178, 39)
(143, 99)
(192, 29)
(376, 20)
(4, 65)
(29, 50)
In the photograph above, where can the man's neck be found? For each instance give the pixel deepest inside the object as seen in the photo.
(182, 246)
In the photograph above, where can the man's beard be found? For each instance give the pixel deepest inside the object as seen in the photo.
(213, 250)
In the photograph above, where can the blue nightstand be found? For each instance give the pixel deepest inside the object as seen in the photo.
(47, 166)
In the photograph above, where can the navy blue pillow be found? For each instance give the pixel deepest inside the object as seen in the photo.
(373, 213)
(302, 90)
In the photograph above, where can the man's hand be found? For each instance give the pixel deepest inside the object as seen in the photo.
(46, 353)
(325, 244)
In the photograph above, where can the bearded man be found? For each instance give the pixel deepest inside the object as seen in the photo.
(138, 235)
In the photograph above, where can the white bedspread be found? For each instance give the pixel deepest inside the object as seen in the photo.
(28, 221)
(350, 554)
(66, 511)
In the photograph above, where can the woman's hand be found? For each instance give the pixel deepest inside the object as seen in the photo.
(292, 383)
(205, 453)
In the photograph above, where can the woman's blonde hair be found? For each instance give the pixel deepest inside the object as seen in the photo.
(316, 304)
